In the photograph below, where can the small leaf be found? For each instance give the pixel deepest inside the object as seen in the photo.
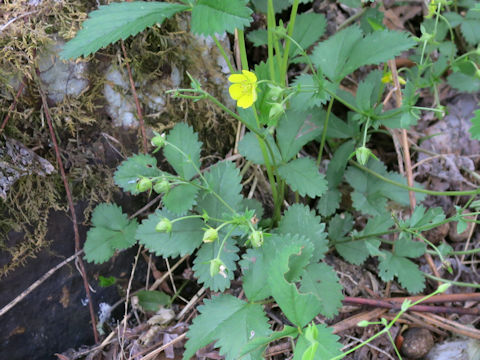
(329, 202)
(111, 231)
(152, 300)
(407, 272)
(406, 247)
(183, 137)
(210, 17)
(134, 168)
(255, 275)
(475, 129)
(181, 198)
(328, 345)
(302, 175)
(106, 281)
(116, 21)
(316, 96)
(185, 236)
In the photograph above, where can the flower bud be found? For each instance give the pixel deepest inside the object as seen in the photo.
(362, 154)
(158, 140)
(215, 266)
(256, 238)
(161, 187)
(276, 110)
(144, 184)
(274, 93)
(210, 235)
(164, 225)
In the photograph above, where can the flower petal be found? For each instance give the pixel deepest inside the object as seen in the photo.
(251, 77)
(237, 78)
(236, 91)
(245, 101)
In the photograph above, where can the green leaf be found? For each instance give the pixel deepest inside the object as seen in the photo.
(184, 138)
(224, 179)
(230, 322)
(152, 300)
(181, 198)
(249, 147)
(258, 37)
(368, 91)
(116, 21)
(302, 175)
(309, 27)
(208, 252)
(329, 202)
(475, 128)
(339, 226)
(300, 220)
(111, 231)
(348, 50)
(260, 343)
(470, 27)
(409, 276)
(328, 344)
(406, 247)
(252, 204)
(424, 219)
(316, 96)
(295, 129)
(185, 237)
(210, 17)
(132, 169)
(464, 82)
(255, 275)
(106, 281)
(299, 308)
(321, 280)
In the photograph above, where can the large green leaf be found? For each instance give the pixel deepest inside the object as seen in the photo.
(185, 237)
(309, 27)
(187, 161)
(116, 21)
(111, 231)
(132, 169)
(302, 175)
(210, 17)
(230, 322)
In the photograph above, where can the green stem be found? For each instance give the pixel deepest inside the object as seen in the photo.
(457, 283)
(242, 48)
(324, 132)
(224, 240)
(224, 54)
(270, 30)
(291, 26)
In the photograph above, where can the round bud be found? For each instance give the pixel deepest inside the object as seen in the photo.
(256, 238)
(210, 235)
(164, 225)
(144, 184)
(158, 141)
(161, 187)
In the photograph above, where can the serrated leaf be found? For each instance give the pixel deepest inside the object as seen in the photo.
(464, 82)
(208, 252)
(181, 198)
(116, 21)
(185, 237)
(406, 247)
(329, 202)
(315, 96)
(294, 130)
(210, 17)
(183, 137)
(302, 175)
(260, 343)
(230, 322)
(328, 344)
(111, 231)
(223, 179)
(258, 37)
(321, 280)
(132, 169)
(152, 300)
(348, 50)
(299, 308)
(424, 219)
(475, 128)
(408, 274)
(339, 226)
(249, 147)
(252, 204)
(368, 91)
(255, 275)
(309, 27)
(300, 220)
(470, 27)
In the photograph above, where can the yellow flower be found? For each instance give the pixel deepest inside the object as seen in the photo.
(388, 78)
(243, 88)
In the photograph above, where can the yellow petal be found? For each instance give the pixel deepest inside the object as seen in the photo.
(251, 77)
(236, 78)
(245, 101)
(236, 91)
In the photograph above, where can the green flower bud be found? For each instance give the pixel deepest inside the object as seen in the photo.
(276, 110)
(216, 267)
(210, 235)
(158, 140)
(144, 184)
(164, 225)
(444, 287)
(274, 93)
(161, 187)
(256, 238)
(362, 154)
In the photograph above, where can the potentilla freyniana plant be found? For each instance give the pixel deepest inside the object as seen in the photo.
(204, 212)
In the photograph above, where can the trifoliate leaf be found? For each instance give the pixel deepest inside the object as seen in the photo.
(302, 175)
(134, 168)
(475, 128)
(116, 21)
(111, 231)
(328, 344)
(348, 50)
(311, 92)
(300, 220)
(228, 256)
(299, 308)
(255, 275)
(309, 28)
(296, 129)
(409, 276)
(181, 198)
(224, 179)
(187, 161)
(152, 300)
(186, 235)
(260, 343)
(321, 280)
(250, 148)
(210, 17)
(230, 322)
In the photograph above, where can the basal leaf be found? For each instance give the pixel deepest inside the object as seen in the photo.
(321, 280)
(249, 147)
(132, 169)
(407, 272)
(116, 21)
(111, 231)
(210, 17)
(209, 251)
(185, 237)
(230, 322)
(184, 138)
(328, 344)
(255, 275)
(300, 220)
(302, 175)
(181, 198)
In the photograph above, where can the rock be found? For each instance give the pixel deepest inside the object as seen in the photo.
(417, 342)
(452, 350)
